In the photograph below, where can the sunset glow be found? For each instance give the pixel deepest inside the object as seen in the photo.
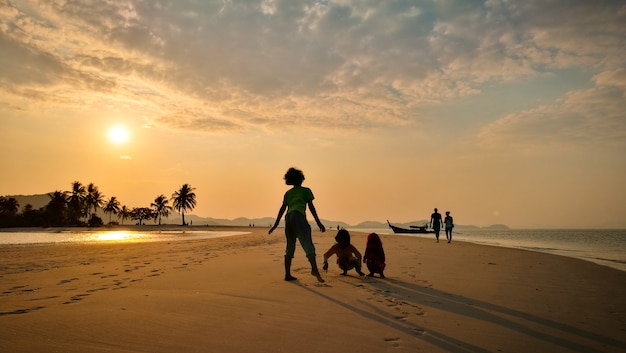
(389, 108)
(113, 236)
(118, 135)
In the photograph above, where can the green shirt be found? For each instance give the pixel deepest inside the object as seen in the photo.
(296, 199)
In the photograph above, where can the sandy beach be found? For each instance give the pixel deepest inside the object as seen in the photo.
(228, 295)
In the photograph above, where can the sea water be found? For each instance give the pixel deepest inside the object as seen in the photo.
(74, 236)
(602, 246)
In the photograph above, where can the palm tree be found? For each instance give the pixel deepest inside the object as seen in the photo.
(75, 201)
(55, 209)
(94, 198)
(161, 208)
(124, 213)
(184, 199)
(8, 211)
(112, 207)
(9, 206)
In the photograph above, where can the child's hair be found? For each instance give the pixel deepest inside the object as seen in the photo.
(374, 240)
(294, 177)
(343, 238)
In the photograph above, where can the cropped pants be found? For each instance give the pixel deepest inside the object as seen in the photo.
(297, 227)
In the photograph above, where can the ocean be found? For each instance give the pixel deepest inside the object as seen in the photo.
(87, 236)
(602, 246)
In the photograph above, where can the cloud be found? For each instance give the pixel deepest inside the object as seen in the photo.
(238, 65)
(594, 115)
(615, 78)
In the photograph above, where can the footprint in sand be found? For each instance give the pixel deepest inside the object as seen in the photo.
(96, 289)
(44, 298)
(394, 341)
(77, 298)
(318, 284)
(21, 311)
(155, 273)
(65, 281)
(20, 290)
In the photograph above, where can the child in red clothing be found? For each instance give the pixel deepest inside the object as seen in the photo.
(348, 257)
(374, 255)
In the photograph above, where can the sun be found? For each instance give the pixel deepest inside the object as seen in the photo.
(118, 135)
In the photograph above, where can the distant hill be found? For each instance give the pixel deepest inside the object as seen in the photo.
(370, 224)
(497, 227)
(38, 201)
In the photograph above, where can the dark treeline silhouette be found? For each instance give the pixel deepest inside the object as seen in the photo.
(79, 207)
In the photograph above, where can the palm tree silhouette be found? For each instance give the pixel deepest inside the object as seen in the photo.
(112, 207)
(94, 198)
(161, 208)
(124, 213)
(55, 209)
(9, 206)
(184, 199)
(75, 201)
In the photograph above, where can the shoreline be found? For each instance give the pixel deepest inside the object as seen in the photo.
(148, 227)
(613, 261)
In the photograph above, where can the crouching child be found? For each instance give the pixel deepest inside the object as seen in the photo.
(348, 257)
(374, 256)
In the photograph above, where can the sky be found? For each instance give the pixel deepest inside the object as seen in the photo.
(501, 112)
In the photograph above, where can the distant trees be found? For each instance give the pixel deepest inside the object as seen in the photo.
(31, 216)
(75, 202)
(161, 207)
(184, 199)
(124, 213)
(141, 213)
(8, 210)
(93, 199)
(56, 210)
(53, 214)
(9, 206)
(112, 207)
(79, 207)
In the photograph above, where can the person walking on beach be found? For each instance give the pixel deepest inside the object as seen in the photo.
(449, 224)
(435, 223)
(295, 202)
(374, 257)
(348, 257)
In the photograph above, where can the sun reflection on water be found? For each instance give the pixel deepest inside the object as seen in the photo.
(103, 236)
(120, 235)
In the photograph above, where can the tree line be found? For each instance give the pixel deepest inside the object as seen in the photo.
(78, 207)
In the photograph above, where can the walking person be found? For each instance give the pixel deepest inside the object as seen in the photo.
(449, 224)
(295, 202)
(436, 223)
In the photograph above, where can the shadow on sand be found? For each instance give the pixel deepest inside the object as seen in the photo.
(421, 296)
